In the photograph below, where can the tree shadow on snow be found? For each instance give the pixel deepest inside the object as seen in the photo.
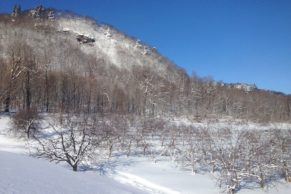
(107, 167)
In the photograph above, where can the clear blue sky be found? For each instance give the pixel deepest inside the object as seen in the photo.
(245, 41)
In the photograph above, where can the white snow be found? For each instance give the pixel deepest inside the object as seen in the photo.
(112, 45)
(7, 141)
(103, 43)
(163, 177)
(25, 175)
(168, 178)
(143, 183)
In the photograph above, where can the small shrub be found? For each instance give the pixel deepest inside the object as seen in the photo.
(26, 121)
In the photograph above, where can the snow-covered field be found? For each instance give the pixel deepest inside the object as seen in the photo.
(20, 173)
(164, 177)
(25, 175)
(7, 142)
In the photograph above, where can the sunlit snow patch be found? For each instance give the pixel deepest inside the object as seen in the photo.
(143, 183)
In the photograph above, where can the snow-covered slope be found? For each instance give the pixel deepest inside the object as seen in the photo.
(9, 143)
(26, 175)
(164, 176)
(104, 44)
(122, 51)
(58, 40)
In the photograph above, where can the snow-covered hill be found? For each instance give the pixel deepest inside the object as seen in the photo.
(57, 40)
(122, 51)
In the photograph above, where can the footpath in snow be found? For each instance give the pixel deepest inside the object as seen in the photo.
(163, 177)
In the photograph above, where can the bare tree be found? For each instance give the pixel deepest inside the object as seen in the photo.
(14, 71)
(72, 142)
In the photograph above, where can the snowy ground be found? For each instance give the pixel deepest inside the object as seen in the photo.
(20, 173)
(26, 175)
(163, 176)
(7, 142)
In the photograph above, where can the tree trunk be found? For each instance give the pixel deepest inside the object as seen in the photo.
(285, 171)
(110, 150)
(75, 167)
(7, 104)
(28, 92)
(8, 98)
(46, 92)
(262, 181)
